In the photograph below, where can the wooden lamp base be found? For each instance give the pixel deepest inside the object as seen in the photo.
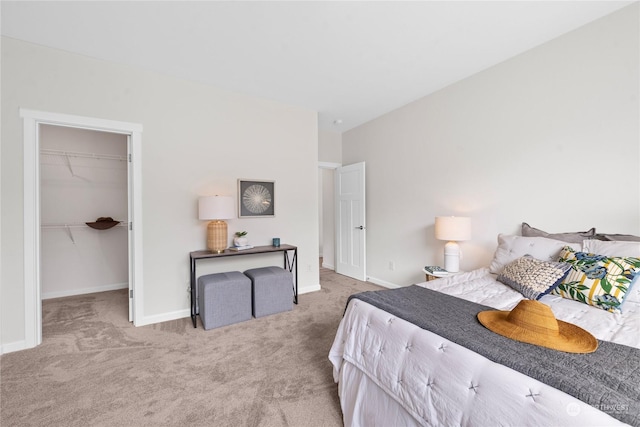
(217, 236)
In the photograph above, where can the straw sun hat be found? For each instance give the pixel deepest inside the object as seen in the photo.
(533, 322)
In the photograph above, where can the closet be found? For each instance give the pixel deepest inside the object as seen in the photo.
(83, 176)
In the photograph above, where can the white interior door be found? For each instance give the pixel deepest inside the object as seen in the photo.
(351, 221)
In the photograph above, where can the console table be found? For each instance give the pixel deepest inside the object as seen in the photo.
(290, 263)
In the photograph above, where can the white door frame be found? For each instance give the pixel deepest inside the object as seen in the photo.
(32, 288)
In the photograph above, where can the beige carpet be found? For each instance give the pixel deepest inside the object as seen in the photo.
(94, 368)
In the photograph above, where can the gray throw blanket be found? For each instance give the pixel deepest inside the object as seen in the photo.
(608, 379)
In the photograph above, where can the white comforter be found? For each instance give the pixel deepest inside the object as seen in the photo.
(391, 372)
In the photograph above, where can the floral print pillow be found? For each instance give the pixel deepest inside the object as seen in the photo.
(598, 280)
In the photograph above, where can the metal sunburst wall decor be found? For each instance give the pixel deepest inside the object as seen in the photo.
(256, 198)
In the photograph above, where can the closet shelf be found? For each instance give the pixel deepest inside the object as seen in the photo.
(67, 227)
(83, 155)
(77, 225)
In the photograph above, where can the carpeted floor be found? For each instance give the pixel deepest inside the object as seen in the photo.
(94, 368)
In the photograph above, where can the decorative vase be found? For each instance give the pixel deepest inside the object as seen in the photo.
(240, 241)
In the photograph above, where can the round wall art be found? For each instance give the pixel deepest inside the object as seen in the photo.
(256, 198)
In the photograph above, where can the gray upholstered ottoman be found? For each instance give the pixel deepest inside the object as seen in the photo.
(224, 298)
(272, 290)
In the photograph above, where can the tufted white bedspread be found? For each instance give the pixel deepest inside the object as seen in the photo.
(393, 373)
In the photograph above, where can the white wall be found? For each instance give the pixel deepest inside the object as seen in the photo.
(197, 140)
(329, 147)
(81, 259)
(550, 137)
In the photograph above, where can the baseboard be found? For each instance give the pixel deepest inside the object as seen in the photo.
(383, 283)
(13, 346)
(165, 317)
(91, 290)
(328, 266)
(309, 289)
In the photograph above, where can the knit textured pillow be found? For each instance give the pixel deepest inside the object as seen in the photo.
(598, 280)
(532, 277)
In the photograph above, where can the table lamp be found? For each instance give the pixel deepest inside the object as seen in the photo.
(216, 209)
(453, 229)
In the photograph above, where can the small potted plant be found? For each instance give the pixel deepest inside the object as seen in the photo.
(240, 239)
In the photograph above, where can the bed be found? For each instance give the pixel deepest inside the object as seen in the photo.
(390, 372)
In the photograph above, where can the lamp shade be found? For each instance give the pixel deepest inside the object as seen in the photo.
(216, 207)
(453, 228)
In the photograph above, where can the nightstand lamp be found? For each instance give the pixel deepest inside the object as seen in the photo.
(216, 209)
(453, 229)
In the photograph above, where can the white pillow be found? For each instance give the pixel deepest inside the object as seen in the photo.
(511, 248)
(612, 248)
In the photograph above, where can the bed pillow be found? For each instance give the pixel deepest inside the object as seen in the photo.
(512, 247)
(532, 277)
(612, 248)
(621, 237)
(598, 280)
(622, 249)
(571, 237)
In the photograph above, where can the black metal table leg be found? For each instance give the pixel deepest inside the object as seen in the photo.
(193, 292)
(289, 265)
(295, 260)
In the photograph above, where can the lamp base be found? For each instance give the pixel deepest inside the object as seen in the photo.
(452, 257)
(217, 236)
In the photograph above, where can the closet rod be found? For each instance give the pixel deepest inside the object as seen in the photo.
(83, 155)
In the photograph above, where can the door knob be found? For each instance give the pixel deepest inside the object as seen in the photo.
(360, 228)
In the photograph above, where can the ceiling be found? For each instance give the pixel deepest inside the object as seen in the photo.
(350, 61)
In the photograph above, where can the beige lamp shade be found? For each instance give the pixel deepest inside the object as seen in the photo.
(216, 209)
(452, 229)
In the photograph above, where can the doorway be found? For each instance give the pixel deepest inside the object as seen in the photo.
(32, 126)
(342, 213)
(83, 177)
